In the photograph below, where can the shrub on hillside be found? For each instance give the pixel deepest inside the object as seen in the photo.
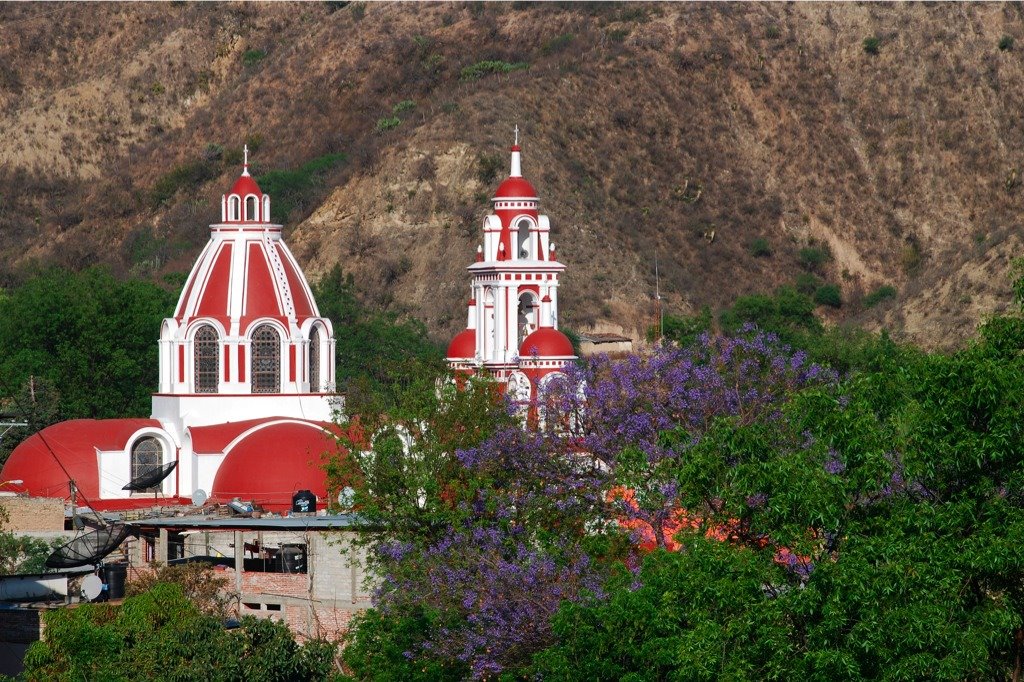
(760, 248)
(829, 295)
(813, 257)
(871, 44)
(481, 69)
(880, 294)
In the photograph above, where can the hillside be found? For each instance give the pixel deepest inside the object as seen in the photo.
(647, 128)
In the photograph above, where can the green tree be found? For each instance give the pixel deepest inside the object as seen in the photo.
(90, 337)
(787, 313)
(373, 349)
(161, 635)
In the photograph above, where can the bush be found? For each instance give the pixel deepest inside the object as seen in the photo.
(481, 69)
(871, 44)
(759, 248)
(487, 167)
(806, 283)
(829, 295)
(558, 44)
(253, 57)
(187, 176)
(882, 293)
(1006, 43)
(813, 257)
(292, 189)
(387, 123)
(404, 105)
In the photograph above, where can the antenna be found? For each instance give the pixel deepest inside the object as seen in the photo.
(657, 298)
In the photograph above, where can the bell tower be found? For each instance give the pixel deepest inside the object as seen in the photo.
(512, 320)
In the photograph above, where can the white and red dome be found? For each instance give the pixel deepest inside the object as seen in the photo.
(272, 460)
(547, 342)
(463, 346)
(49, 460)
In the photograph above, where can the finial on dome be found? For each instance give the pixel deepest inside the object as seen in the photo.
(517, 170)
(479, 253)
(245, 162)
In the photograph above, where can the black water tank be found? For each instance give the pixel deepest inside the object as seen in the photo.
(303, 502)
(293, 558)
(114, 577)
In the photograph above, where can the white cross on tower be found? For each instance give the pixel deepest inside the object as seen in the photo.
(517, 135)
(245, 151)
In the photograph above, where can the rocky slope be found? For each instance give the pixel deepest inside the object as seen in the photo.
(683, 132)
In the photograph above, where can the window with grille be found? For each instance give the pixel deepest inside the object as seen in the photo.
(206, 358)
(266, 360)
(147, 455)
(314, 361)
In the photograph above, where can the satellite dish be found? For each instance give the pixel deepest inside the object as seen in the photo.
(89, 548)
(92, 587)
(199, 497)
(346, 496)
(151, 477)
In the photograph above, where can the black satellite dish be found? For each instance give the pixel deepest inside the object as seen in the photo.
(89, 548)
(151, 477)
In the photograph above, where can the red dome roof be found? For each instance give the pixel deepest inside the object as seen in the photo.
(74, 444)
(515, 188)
(463, 345)
(269, 465)
(245, 185)
(546, 342)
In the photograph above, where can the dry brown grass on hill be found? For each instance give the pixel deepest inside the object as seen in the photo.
(647, 127)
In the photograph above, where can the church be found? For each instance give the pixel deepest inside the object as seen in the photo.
(246, 404)
(246, 397)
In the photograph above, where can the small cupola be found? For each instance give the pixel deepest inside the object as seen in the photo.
(245, 202)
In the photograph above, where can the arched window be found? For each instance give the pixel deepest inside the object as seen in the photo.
(234, 207)
(206, 363)
(523, 239)
(266, 360)
(528, 315)
(147, 455)
(314, 360)
(251, 208)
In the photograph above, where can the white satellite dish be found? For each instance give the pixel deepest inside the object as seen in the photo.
(199, 497)
(346, 496)
(92, 587)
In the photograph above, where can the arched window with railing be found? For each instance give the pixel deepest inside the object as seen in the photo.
(314, 360)
(266, 360)
(206, 360)
(147, 456)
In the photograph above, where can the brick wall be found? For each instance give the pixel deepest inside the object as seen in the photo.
(28, 514)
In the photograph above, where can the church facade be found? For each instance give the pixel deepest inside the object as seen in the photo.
(246, 397)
